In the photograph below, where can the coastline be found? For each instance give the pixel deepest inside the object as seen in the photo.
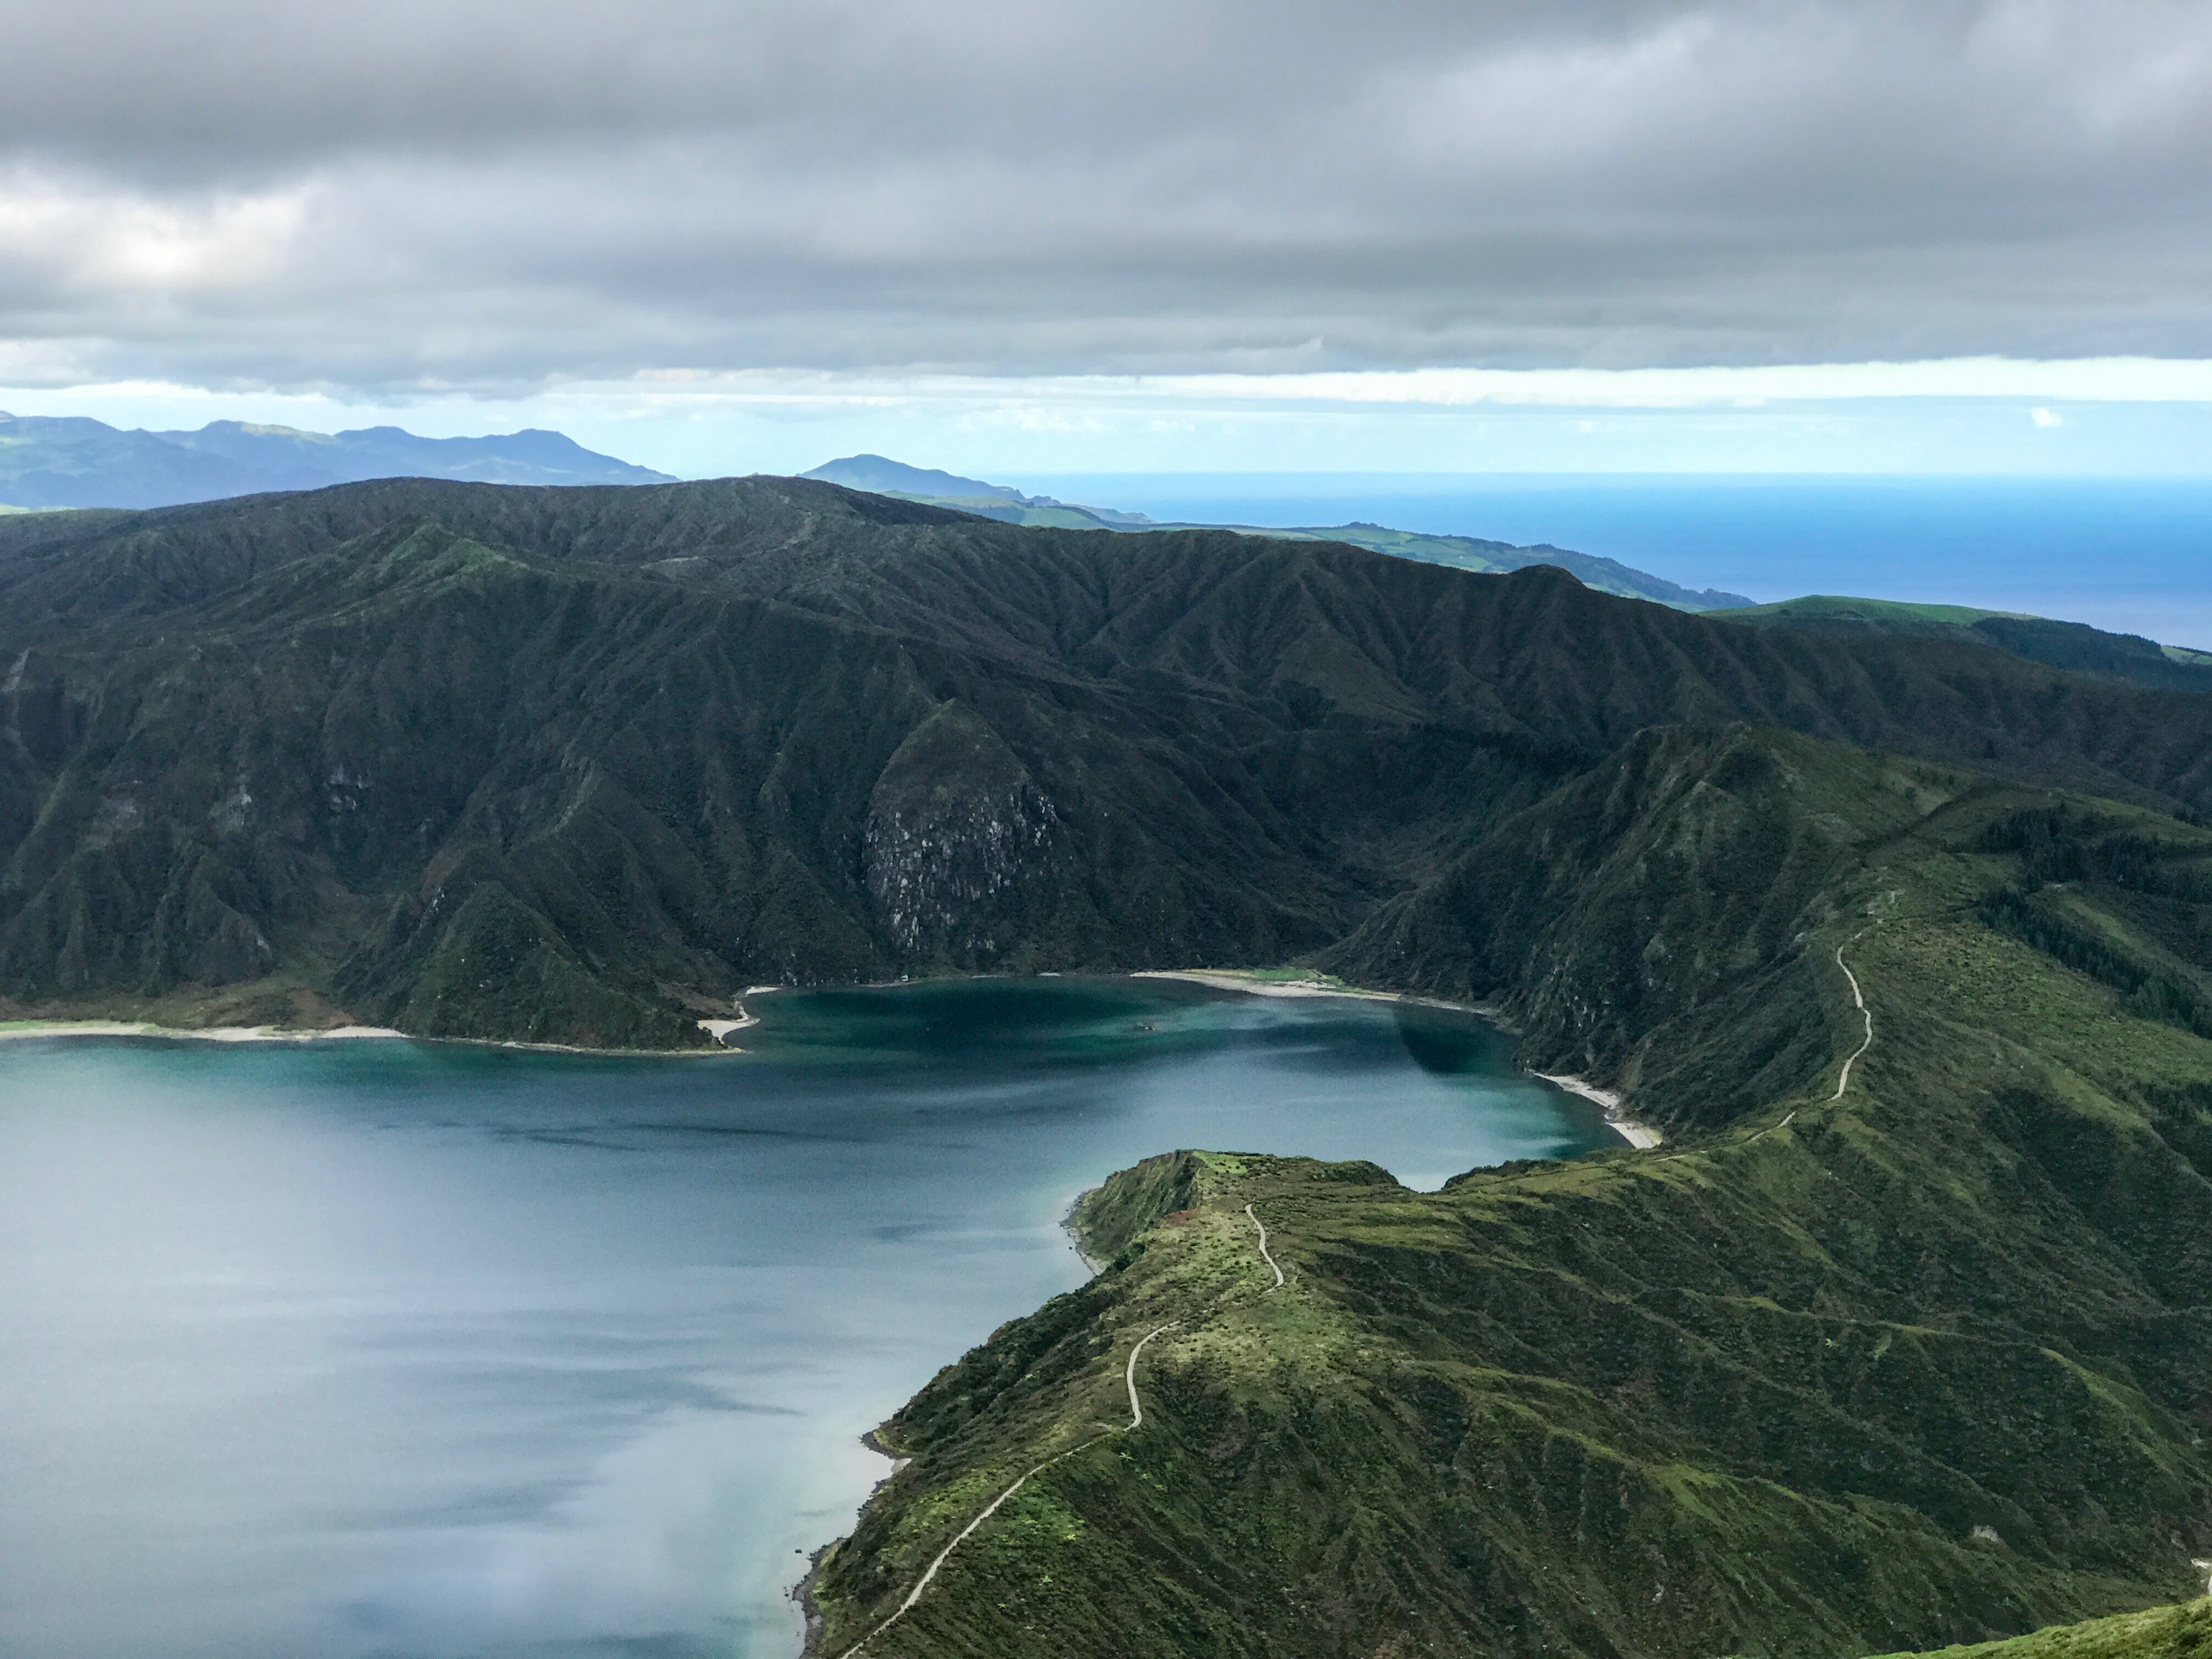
(720, 1030)
(1233, 979)
(18, 1029)
(1640, 1135)
(25, 1030)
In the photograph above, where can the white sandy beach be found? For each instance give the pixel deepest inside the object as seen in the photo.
(1642, 1136)
(52, 1027)
(1227, 979)
(720, 1030)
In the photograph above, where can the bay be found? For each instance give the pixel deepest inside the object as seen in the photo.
(385, 1348)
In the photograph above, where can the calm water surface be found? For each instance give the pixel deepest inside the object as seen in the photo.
(390, 1349)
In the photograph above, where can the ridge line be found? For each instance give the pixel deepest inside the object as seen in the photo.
(1136, 1417)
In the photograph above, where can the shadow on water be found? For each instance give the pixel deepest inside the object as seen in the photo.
(1445, 1043)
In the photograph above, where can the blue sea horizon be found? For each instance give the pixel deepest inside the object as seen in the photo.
(2130, 554)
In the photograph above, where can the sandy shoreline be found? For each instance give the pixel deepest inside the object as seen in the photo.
(1640, 1135)
(1637, 1134)
(720, 1030)
(26, 1028)
(1225, 979)
(18, 1029)
(1228, 979)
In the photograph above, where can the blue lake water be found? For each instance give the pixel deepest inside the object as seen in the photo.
(2133, 554)
(396, 1349)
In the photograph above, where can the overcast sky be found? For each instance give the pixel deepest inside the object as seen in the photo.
(768, 211)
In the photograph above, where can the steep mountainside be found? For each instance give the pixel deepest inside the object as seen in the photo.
(1914, 1353)
(578, 765)
(1903, 1337)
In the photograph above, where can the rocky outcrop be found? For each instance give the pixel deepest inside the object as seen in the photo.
(959, 848)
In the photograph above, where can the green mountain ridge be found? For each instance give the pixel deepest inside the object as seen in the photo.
(2072, 646)
(636, 745)
(2176, 1632)
(1920, 1360)
(879, 476)
(1924, 1359)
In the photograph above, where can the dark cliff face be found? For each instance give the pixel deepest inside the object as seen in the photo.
(578, 765)
(965, 859)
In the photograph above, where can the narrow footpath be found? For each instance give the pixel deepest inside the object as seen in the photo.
(1136, 1420)
(1858, 1002)
(1264, 1256)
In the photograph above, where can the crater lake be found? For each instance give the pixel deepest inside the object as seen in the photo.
(381, 1348)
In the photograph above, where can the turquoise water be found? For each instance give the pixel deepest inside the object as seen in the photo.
(396, 1349)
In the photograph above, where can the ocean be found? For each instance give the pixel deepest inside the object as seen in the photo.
(2133, 555)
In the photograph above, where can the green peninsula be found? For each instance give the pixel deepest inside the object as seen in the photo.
(1919, 1362)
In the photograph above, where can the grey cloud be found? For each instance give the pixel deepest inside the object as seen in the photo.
(491, 195)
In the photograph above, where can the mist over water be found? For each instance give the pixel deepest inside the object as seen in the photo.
(397, 1349)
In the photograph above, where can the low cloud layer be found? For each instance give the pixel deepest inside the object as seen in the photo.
(499, 197)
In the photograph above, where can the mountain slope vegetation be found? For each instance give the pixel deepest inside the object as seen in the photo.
(1921, 1360)
(2175, 1632)
(578, 764)
(1009, 506)
(1840, 1369)
(2072, 646)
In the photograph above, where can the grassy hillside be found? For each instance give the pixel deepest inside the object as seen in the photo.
(2176, 1632)
(2072, 645)
(578, 764)
(1602, 575)
(1926, 1362)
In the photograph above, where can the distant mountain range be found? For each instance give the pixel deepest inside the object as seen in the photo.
(882, 476)
(2076, 646)
(49, 462)
(75, 462)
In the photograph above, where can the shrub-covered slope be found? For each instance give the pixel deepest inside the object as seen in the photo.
(2074, 646)
(1928, 1362)
(578, 765)
(2175, 1632)
(1923, 1363)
